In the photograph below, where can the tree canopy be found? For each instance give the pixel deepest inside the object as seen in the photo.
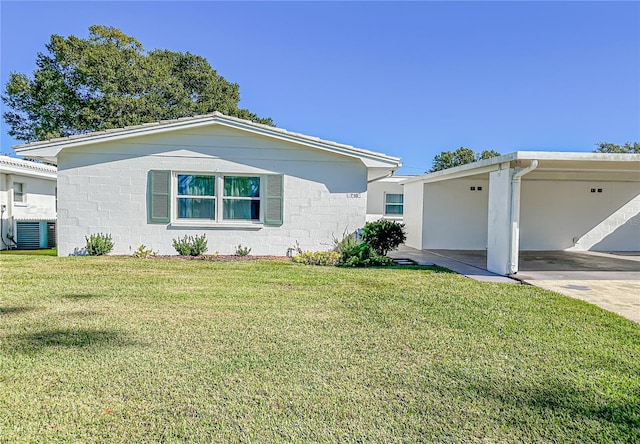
(109, 81)
(461, 156)
(607, 147)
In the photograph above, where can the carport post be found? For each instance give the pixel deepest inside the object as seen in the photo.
(503, 230)
(498, 228)
(515, 215)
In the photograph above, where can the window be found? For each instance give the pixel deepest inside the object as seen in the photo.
(393, 204)
(241, 198)
(18, 192)
(196, 197)
(213, 199)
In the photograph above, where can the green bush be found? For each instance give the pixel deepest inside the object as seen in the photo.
(317, 258)
(384, 235)
(99, 244)
(242, 251)
(190, 245)
(355, 252)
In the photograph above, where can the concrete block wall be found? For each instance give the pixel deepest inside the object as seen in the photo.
(104, 189)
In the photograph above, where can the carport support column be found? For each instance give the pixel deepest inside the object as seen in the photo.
(503, 236)
(499, 223)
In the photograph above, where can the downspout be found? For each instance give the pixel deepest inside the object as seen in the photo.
(382, 177)
(514, 217)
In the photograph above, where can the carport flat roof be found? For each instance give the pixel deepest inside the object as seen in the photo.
(549, 161)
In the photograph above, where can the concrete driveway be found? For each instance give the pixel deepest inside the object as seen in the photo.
(608, 280)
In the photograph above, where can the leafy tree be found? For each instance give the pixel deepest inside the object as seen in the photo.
(606, 147)
(461, 156)
(487, 154)
(109, 81)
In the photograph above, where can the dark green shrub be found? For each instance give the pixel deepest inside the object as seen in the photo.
(98, 244)
(384, 235)
(317, 258)
(357, 253)
(191, 246)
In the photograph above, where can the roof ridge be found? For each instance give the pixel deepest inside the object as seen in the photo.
(210, 116)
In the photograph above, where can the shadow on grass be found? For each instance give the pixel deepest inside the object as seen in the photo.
(81, 296)
(64, 338)
(14, 309)
(566, 399)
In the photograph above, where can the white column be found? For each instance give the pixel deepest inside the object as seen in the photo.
(499, 228)
(413, 213)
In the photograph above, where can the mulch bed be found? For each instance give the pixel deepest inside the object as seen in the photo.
(224, 258)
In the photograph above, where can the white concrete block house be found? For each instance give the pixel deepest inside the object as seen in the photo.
(27, 204)
(541, 201)
(236, 181)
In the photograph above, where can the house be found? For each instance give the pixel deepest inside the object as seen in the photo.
(27, 204)
(545, 201)
(236, 181)
(385, 198)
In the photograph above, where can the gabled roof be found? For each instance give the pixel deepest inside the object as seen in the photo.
(549, 160)
(49, 149)
(12, 165)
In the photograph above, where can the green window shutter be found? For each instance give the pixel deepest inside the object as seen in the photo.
(274, 201)
(159, 197)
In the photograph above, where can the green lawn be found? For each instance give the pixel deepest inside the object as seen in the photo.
(132, 350)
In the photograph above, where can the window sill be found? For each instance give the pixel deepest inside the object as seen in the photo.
(220, 225)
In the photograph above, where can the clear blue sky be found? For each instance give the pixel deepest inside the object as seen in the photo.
(406, 79)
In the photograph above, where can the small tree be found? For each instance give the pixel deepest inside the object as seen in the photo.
(384, 235)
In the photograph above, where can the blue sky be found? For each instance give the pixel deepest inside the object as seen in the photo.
(406, 79)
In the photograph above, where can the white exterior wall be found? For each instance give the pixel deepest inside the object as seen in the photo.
(376, 192)
(39, 200)
(414, 210)
(103, 188)
(455, 217)
(555, 214)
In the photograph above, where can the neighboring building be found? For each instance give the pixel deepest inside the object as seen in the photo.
(236, 181)
(385, 199)
(27, 204)
(529, 201)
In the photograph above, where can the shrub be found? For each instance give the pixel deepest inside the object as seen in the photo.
(355, 252)
(143, 252)
(317, 258)
(242, 251)
(191, 246)
(98, 244)
(384, 235)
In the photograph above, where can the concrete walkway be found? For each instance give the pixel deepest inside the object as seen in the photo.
(424, 257)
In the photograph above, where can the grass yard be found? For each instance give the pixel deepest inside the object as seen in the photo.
(132, 350)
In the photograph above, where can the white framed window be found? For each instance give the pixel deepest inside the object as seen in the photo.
(393, 204)
(215, 199)
(218, 197)
(195, 196)
(241, 198)
(18, 192)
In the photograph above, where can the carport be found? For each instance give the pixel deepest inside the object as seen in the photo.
(527, 201)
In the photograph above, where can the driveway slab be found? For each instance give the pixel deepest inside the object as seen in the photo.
(608, 280)
(621, 297)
